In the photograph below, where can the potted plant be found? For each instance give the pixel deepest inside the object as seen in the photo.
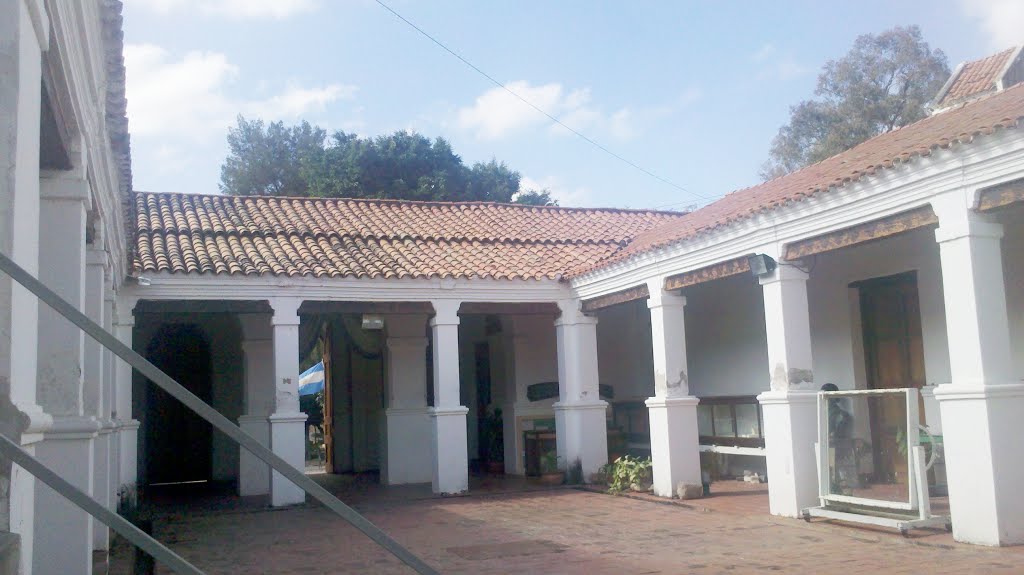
(493, 435)
(549, 472)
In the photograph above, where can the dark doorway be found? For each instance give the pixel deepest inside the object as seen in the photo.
(178, 442)
(894, 357)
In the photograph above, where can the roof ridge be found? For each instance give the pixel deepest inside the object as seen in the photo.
(437, 203)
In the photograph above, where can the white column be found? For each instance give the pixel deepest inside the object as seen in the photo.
(983, 405)
(258, 348)
(790, 407)
(24, 27)
(63, 532)
(449, 446)
(675, 448)
(111, 423)
(127, 427)
(408, 431)
(93, 397)
(580, 424)
(287, 423)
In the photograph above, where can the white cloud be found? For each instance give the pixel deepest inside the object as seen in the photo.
(496, 113)
(1000, 19)
(777, 65)
(568, 196)
(235, 9)
(189, 97)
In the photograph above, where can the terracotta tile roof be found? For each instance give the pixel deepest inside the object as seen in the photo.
(975, 78)
(182, 233)
(959, 125)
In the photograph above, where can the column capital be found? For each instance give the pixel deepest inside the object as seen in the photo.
(446, 312)
(572, 314)
(661, 298)
(124, 311)
(61, 186)
(786, 272)
(96, 257)
(286, 310)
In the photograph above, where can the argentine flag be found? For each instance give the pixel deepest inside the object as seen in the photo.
(312, 380)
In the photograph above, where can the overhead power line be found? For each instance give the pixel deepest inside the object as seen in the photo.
(516, 95)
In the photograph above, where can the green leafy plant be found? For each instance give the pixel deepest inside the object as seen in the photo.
(549, 462)
(494, 435)
(628, 472)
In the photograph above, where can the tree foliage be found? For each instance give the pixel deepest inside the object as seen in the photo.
(883, 82)
(302, 160)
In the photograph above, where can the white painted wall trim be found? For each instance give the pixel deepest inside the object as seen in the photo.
(166, 286)
(988, 161)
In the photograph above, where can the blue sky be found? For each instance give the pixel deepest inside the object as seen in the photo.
(692, 91)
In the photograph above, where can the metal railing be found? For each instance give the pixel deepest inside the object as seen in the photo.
(221, 423)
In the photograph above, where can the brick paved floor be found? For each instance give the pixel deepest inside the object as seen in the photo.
(553, 531)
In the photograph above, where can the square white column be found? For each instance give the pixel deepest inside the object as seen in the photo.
(258, 349)
(789, 408)
(63, 533)
(93, 397)
(581, 429)
(109, 382)
(675, 447)
(20, 100)
(982, 407)
(449, 445)
(287, 423)
(409, 425)
(127, 427)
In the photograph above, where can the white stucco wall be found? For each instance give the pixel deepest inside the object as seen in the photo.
(1013, 273)
(624, 350)
(726, 347)
(835, 313)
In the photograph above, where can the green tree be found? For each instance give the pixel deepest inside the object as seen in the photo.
(266, 159)
(884, 82)
(535, 198)
(302, 160)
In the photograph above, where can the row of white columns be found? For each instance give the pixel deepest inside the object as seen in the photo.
(421, 443)
(980, 407)
(89, 437)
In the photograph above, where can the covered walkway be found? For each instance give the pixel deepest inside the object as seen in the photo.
(563, 530)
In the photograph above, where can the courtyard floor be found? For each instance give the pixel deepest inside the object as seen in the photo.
(517, 527)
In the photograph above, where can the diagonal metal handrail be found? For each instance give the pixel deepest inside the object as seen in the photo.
(133, 534)
(221, 423)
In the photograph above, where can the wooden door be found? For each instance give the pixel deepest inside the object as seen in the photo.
(894, 356)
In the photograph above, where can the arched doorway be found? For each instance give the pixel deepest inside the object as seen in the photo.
(178, 442)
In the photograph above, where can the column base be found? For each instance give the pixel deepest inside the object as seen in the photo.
(407, 446)
(984, 469)
(675, 447)
(102, 448)
(581, 433)
(63, 535)
(450, 450)
(253, 473)
(287, 439)
(790, 432)
(128, 463)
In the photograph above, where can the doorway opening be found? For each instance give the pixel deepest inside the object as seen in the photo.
(894, 358)
(179, 443)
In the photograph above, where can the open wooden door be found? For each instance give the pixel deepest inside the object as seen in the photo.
(894, 357)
